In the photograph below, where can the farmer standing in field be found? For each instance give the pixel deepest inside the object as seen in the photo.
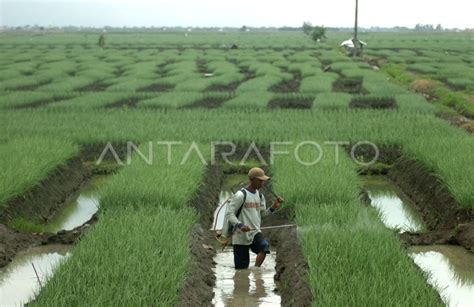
(244, 213)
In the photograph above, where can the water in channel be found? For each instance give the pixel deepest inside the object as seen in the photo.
(449, 268)
(450, 271)
(80, 209)
(394, 207)
(252, 287)
(18, 281)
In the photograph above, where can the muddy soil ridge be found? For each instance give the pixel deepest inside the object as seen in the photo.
(372, 102)
(157, 87)
(41, 102)
(291, 103)
(351, 85)
(291, 266)
(447, 222)
(41, 203)
(462, 235)
(97, 86)
(12, 241)
(431, 197)
(288, 86)
(198, 287)
(130, 102)
(230, 87)
(207, 102)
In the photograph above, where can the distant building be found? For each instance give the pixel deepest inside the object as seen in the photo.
(349, 45)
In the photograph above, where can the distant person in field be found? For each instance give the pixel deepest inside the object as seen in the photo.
(251, 204)
(102, 41)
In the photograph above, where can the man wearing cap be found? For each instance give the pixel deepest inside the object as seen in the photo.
(247, 221)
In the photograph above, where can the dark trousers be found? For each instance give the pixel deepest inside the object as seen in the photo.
(241, 252)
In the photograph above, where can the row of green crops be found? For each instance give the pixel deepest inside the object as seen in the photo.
(165, 39)
(180, 73)
(441, 147)
(265, 40)
(141, 244)
(253, 100)
(448, 68)
(55, 76)
(137, 255)
(445, 57)
(26, 161)
(144, 225)
(352, 257)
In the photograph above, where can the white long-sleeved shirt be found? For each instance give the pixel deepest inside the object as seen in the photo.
(251, 215)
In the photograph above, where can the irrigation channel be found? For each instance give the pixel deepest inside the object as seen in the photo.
(252, 287)
(23, 278)
(449, 268)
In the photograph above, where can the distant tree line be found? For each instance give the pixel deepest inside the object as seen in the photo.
(317, 33)
(306, 28)
(428, 27)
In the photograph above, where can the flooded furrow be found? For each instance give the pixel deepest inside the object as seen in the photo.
(251, 287)
(80, 209)
(450, 271)
(393, 206)
(254, 286)
(19, 282)
(449, 268)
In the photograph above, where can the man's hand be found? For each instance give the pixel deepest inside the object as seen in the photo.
(245, 228)
(278, 203)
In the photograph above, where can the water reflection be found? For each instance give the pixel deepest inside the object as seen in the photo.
(79, 210)
(394, 207)
(251, 287)
(18, 281)
(450, 270)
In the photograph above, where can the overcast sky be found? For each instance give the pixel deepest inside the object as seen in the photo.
(453, 13)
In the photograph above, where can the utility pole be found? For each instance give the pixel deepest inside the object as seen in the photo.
(355, 40)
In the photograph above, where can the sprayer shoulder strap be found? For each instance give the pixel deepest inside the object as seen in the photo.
(243, 203)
